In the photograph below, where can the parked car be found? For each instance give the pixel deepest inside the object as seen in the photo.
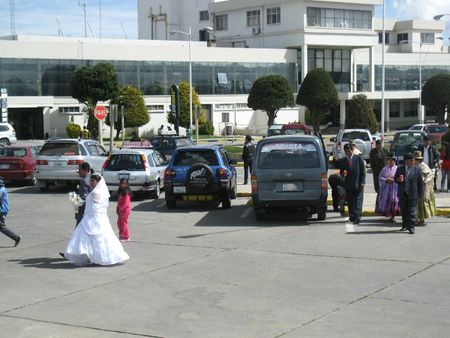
(166, 144)
(362, 139)
(406, 141)
(295, 128)
(419, 127)
(18, 163)
(274, 129)
(436, 131)
(7, 134)
(200, 173)
(59, 159)
(142, 167)
(290, 172)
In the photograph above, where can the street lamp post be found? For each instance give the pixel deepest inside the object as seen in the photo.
(383, 73)
(189, 34)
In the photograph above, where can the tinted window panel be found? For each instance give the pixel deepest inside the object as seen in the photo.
(130, 162)
(188, 158)
(289, 155)
(355, 135)
(13, 152)
(60, 149)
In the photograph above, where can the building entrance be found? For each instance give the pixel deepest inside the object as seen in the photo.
(28, 122)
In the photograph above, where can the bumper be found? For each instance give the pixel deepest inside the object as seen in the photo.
(16, 175)
(312, 205)
(137, 187)
(48, 175)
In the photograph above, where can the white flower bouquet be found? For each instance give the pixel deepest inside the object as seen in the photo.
(76, 200)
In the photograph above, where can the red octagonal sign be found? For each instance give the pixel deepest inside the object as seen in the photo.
(100, 113)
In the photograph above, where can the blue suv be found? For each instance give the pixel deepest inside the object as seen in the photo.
(200, 173)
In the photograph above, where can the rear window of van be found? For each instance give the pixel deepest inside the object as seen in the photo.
(289, 155)
(60, 149)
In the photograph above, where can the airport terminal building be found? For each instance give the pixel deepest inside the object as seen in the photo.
(249, 39)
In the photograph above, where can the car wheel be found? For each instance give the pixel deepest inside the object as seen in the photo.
(260, 214)
(171, 202)
(226, 202)
(233, 192)
(4, 142)
(155, 195)
(322, 215)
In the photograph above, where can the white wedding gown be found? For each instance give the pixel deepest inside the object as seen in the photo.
(94, 241)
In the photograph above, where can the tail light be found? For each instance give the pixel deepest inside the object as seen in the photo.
(74, 162)
(324, 181)
(169, 173)
(223, 176)
(42, 162)
(106, 162)
(254, 184)
(144, 160)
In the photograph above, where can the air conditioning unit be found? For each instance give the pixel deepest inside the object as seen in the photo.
(256, 30)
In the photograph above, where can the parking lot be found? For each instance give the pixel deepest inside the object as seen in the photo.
(201, 271)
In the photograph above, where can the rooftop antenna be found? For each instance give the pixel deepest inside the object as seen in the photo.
(90, 29)
(83, 5)
(123, 30)
(13, 17)
(60, 32)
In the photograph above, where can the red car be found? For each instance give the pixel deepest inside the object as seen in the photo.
(18, 163)
(436, 131)
(295, 128)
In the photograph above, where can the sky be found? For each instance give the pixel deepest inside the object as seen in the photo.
(119, 17)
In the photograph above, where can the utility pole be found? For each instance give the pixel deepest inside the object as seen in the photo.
(12, 10)
(83, 5)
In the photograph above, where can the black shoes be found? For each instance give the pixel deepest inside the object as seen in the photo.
(403, 229)
(62, 254)
(411, 231)
(17, 241)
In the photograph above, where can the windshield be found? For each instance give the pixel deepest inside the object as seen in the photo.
(437, 129)
(403, 139)
(13, 152)
(191, 157)
(60, 149)
(355, 135)
(183, 142)
(294, 131)
(130, 162)
(289, 155)
(416, 128)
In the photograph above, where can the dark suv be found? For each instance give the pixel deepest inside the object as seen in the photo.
(200, 173)
(166, 144)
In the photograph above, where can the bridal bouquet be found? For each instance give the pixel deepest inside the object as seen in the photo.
(76, 200)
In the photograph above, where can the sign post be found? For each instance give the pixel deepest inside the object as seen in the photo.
(175, 106)
(4, 104)
(197, 114)
(113, 110)
(100, 113)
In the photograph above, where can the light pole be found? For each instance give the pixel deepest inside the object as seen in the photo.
(189, 34)
(383, 73)
(439, 16)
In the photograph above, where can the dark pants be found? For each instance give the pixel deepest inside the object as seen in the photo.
(79, 215)
(408, 208)
(5, 230)
(354, 200)
(376, 183)
(247, 170)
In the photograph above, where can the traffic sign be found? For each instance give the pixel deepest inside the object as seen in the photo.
(100, 113)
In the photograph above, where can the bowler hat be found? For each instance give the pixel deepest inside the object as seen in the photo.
(418, 155)
(408, 156)
(390, 156)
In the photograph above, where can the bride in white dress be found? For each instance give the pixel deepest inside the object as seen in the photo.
(94, 241)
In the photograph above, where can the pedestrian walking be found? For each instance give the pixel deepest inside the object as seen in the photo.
(123, 209)
(445, 166)
(4, 209)
(387, 203)
(430, 157)
(352, 169)
(410, 189)
(426, 205)
(84, 188)
(247, 156)
(377, 159)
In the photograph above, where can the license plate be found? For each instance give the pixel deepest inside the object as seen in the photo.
(4, 166)
(179, 190)
(290, 187)
(57, 164)
(124, 175)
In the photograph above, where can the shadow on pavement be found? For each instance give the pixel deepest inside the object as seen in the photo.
(377, 232)
(45, 263)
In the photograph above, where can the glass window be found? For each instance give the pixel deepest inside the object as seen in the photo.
(338, 18)
(190, 157)
(60, 149)
(129, 162)
(427, 38)
(394, 109)
(402, 38)
(204, 15)
(386, 37)
(253, 18)
(225, 117)
(273, 15)
(13, 152)
(410, 109)
(289, 155)
(221, 22)
(356, 135)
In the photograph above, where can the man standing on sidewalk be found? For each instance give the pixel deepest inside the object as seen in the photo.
(377, 159)
(430, 156)
(247, 156)
(4, 209)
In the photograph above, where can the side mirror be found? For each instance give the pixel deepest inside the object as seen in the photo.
(233, 162)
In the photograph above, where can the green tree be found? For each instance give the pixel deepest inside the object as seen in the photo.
(360, 114)
(184, 109)
(318, 94)
(91, 84)
(270, 93)
(436, 95)
(135, 111)
(73, 130)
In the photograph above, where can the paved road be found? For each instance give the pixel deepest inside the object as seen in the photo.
(207, 272)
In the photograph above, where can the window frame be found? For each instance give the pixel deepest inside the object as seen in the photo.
(221, 22)
(253, 18)
(273, 16)
(423, 38)
(204, 15)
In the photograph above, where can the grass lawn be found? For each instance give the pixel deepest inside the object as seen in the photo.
(233, 149)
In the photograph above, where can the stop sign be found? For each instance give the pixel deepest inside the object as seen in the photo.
(100, 113)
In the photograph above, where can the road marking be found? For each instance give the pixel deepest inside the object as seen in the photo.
(246, 213)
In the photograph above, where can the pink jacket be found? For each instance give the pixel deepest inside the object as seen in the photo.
(123, 203)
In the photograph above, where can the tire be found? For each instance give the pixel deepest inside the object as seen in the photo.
(199, 176)
(233, 192)
(226, 202)
(157, 192)
(260, 214)
(322, 215)
(171, 202)
(4, 142)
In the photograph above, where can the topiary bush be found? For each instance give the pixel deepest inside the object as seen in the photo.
(73, 130)
(360, 114)
(206, 128)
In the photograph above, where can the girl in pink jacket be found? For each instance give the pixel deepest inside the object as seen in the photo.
(123, 209)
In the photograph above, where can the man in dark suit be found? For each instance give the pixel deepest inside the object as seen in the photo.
(430, 156)
(353, 170)
(410, 188)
